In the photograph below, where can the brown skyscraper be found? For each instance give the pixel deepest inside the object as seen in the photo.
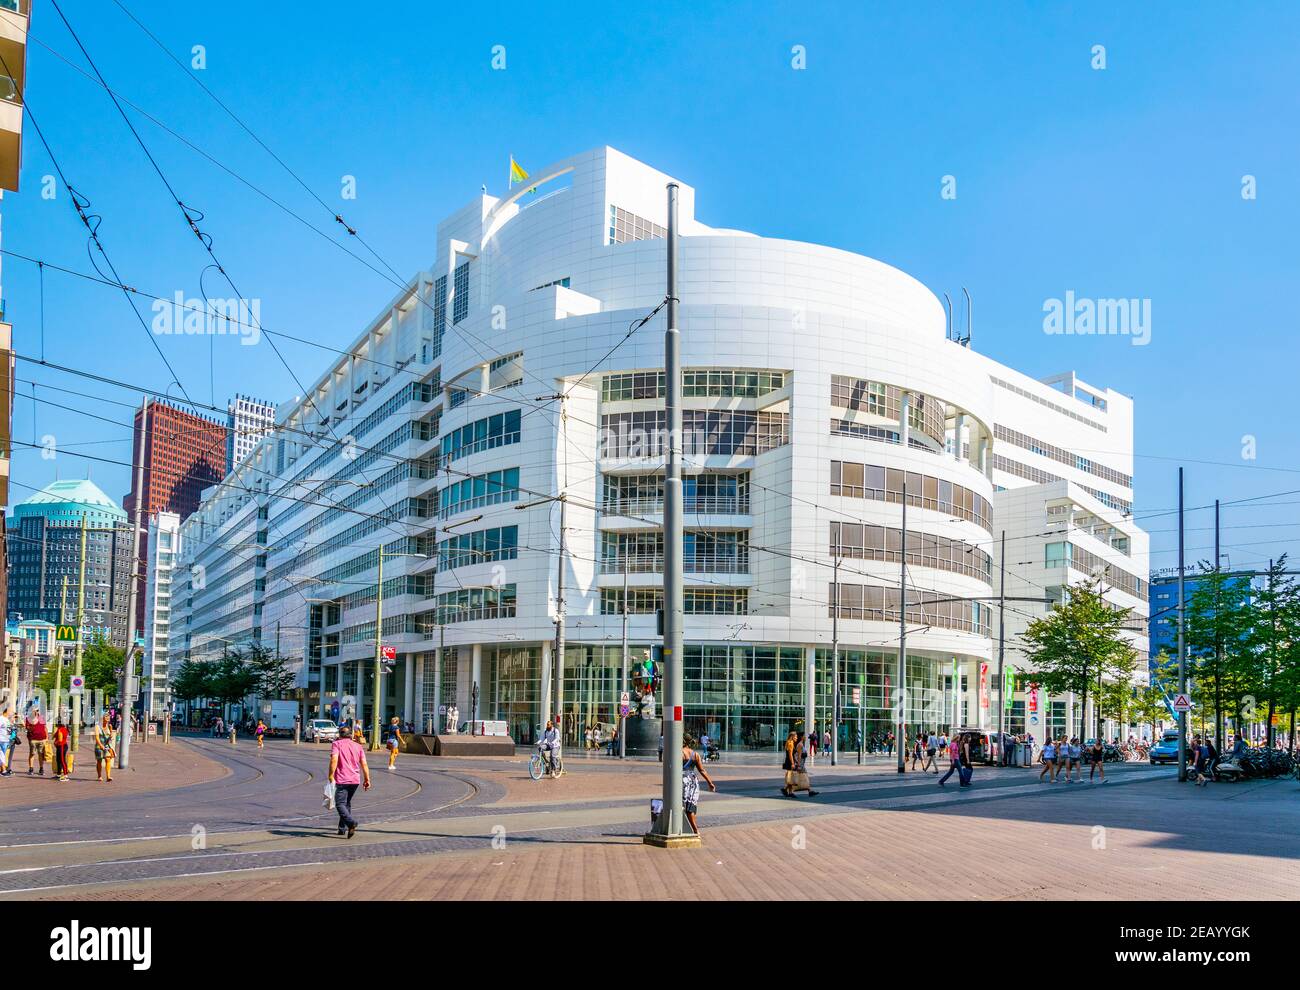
(184, 453)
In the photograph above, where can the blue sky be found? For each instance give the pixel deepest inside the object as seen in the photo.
(1123, 182)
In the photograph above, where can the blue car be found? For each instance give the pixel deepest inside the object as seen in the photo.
(1166, 750)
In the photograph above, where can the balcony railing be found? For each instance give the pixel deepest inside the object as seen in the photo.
(697, 563)
(702, 505)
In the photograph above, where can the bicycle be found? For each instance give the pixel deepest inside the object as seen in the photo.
(538, 765)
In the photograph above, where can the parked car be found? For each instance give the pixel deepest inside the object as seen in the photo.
(1166, 750)
(320, 730)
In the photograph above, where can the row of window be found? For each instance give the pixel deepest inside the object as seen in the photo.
(926, 414)
(482, 434)
(698, 601)
(865, 542)
(864, 431)
(482, 546)
(696, 383)
(625, 226)
(877, 603)
(1041, 477)
(1064, 553)
(1050, 405)
(1061, 455)
(853, 480)
(490, 488)
(736, 432)
(704, 552)
(633, 493)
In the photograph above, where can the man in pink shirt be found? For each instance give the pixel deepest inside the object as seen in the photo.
(348, 768)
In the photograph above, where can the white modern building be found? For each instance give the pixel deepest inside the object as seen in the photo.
(248, 421)
(818, 385)
(162, 549)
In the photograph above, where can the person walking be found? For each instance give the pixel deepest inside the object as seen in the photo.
(348, 771)
(394, 741)
(810, 747)
(789, 763)
(931, 749)
(36, 739)
(6, 734)
(967, 771)
(1048, 757)
(918, 752)
(14, 739)
(1073, 757)
(104, 751)
(1097, 752)
(260, 732)
(661, 747)
(801, 780)
(954, 762)
(692, 771)
(61, 769)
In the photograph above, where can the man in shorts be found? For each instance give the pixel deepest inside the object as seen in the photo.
(36, 739)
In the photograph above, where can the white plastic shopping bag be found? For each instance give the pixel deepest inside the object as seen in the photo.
(329, 795)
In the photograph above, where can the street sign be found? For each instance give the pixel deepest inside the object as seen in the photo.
(76, 685)
(388, 652)
(65, 634)
(1182, 703)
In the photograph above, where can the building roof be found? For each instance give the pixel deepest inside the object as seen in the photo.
(82, 493)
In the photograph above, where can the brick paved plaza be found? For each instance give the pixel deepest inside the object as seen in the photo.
(428, 831)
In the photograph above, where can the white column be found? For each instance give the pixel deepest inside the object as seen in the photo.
(476, 677)
(485, 378)
(438, 725)
(958, 436)
(408, 701)
(1069, 714)
(544, 695)
(904, 432)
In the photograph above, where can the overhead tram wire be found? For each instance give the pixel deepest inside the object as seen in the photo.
(397, 281)
(80, 204)
(249, 131)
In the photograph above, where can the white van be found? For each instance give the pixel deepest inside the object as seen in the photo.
(484, 727)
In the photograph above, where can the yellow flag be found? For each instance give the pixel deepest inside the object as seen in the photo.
(517, 174)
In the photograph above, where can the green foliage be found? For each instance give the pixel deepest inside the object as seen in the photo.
(274, 678)
(1080, 644)
(100, 666)
(192, 681)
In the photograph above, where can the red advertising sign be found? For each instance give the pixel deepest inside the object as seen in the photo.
(984, 685)
(388, 652)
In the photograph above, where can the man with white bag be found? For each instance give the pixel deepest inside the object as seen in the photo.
(348, 768)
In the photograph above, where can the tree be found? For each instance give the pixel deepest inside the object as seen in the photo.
(1149, 708)
(192, 681)
(100, 664)
(1271, 651)
(1115, 701)
(1079, 644)
(231, 679)
(1217, 620)
(274, 678)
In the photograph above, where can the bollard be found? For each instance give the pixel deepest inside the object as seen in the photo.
(297, 732)
(232, 735)
(167, 729)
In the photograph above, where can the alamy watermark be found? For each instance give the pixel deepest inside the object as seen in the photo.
(192, 317)
(1084, 316)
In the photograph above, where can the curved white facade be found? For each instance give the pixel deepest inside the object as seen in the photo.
(817, 382)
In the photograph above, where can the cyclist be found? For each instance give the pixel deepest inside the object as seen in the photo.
(549, 745)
